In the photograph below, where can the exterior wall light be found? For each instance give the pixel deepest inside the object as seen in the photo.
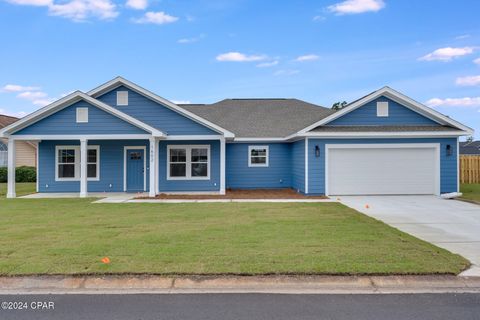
(449, 150)
(317, 151)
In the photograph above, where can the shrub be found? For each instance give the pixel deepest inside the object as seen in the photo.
(22, 174)
(3, 174)
(25, 174)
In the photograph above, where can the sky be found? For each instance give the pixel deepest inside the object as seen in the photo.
(207, 50)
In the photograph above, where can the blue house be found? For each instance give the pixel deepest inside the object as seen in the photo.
(120, 137)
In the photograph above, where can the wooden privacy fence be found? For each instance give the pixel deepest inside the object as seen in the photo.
(469, 169)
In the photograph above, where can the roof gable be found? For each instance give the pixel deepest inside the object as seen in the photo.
(64, 121)
(155, 114)
(6, 120)
(119, 81)
(69, 100)
(398, 114)
(400, 99)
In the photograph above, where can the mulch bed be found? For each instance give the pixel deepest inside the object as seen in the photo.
(243, 194)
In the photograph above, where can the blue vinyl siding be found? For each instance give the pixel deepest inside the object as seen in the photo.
(298, 165)
(213, 184)
(397, 115)
(240, 176)
(65, 122)
(155, 114)
(111, 166)
(448, 164)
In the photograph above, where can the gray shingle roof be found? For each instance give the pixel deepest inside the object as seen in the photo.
(383, 128)
(265, 118)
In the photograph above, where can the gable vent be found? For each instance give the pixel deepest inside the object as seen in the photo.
(382, 109)
(82, 115)
(122, 98)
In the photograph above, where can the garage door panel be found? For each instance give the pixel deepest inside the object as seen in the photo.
(381, 171)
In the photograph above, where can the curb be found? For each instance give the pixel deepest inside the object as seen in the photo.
(238, 284)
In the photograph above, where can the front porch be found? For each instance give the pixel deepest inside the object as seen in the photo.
(128, 165)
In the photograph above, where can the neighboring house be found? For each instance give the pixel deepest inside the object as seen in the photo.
(470, 148)
(25, 151)
(121, 137)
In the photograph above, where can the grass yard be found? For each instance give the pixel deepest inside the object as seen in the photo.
(21, 189)
(470, 191)
(71, 236)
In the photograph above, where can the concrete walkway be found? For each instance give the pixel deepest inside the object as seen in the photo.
(450, 224)
(106, 197)
(237, 284)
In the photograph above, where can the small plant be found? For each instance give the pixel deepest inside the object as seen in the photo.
(22, 174)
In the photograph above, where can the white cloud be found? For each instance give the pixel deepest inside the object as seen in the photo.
(463, 36)
(267, 64)
(307, 57)
(18, 88)
(137, 4)
(468, 81)
(239, 57)
(77, 10)
(31, 2)
(81, 10)
(454, 102)
(285, 72)
(319, 18)
(447, 54)
(156, 18)
(19, 114)
(190, 40)
(181, 101)
(38, 98)
(356, 6)
(477, 61)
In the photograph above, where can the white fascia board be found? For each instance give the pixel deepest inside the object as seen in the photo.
(419, 134)
(398, 97)
(82, 136)
(254, 139)
(69, 100)
(118, 81)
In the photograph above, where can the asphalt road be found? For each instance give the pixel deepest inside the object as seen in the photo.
(243, 306)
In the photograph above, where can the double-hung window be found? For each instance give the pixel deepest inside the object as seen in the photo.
(67, 163)
(188, 162)
(258, 156)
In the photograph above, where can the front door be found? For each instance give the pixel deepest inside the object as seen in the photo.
(135, 170)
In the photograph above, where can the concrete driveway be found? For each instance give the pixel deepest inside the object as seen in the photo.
(450, 224)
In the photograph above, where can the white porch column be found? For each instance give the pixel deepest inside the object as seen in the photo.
(157, 144)
(152, 167)
(11, 169)
(83, 167)
(222, 165)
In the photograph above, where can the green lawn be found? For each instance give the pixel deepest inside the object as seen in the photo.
(40, 236)
(470, 191)
(21, 189)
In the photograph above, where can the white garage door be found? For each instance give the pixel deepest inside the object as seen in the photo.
(382, 169)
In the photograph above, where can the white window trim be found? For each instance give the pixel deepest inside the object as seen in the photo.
(188, 149)
(382, 109)
(119, 93)
(266, 164)
(77, 162)
(79, 110)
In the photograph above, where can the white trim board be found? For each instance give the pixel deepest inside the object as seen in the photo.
(85, 136)
(398, 97)
(435, 146)
(125, 148)
(119, 81)
(68, 101)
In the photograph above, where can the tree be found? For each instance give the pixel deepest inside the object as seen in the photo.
(339, 105)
